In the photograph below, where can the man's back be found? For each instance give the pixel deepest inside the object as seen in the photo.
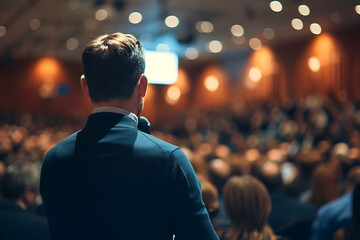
(111, 181)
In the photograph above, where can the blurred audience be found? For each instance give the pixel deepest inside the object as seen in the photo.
(288, 217)
(210, 197)
(302, 149)
(324, 187)
(247, 203)
(338, 213)
(353, 231)
(19, 191)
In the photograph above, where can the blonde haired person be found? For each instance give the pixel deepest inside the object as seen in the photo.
(247, 203)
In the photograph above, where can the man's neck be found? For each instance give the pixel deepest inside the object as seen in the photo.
(126, 105)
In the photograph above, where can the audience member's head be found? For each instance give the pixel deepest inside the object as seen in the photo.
(323, 188)
(20, 184)
(247, 203)
(210, 197)
(270, 175)
(113, 65)
(307, 162)
(353, 178)
(219, 173)
(239, 165)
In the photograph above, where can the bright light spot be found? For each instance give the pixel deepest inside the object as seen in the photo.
(191, 53)
(74, 4)
(255, 74)
(238, 40)
(35, 24)
(237, 30)
(211, 83)
(276, 6)
(171, 21)
(315, 28)
(72, 44)
(255, 43)
(215, 46)
(173, 94)
(297, 24)
(304, 10)
(101, 14)
(314, 64)
(2, 31)
(135, 17)
(206, 27)
(335, 17)
(269, 33)
(162, 47)
(161, 67)
(357, 9)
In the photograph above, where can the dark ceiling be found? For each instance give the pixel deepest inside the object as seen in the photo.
(57, 21)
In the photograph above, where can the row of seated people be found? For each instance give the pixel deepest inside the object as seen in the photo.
(241, 206)
(287, 217)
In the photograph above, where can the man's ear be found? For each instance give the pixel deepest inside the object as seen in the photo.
(84, 86)
(143, 85)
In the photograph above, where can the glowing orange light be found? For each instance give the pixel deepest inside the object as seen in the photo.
(47, 69)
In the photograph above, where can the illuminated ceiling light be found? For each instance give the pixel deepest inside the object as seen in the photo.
(304, 10)
(269, 33)
(255, 74)
(314, 64)
(211, 83)
(276, 6)
(237, 30)
(171, 21)
(315, 28)
(335, 17)
(215, 46)
(297, 24)
(357, 9)
(255, 43)
(2, 31)
(72, 44)
(135, 17)
(206, 27)
(191, 53)
(173, 94)
(35, 24)
(162, 47)
(74, 4)
(101, 14)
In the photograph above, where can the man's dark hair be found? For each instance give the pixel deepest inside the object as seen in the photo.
(112, 65)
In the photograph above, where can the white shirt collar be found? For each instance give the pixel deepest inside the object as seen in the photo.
(116, 110)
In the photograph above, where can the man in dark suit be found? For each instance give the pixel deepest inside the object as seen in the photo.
(110, 180)
(19, 190)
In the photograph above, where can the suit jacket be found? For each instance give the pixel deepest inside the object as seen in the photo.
(112, 181)
(18, 224)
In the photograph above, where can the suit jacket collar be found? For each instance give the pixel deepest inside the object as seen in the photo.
(109, 120)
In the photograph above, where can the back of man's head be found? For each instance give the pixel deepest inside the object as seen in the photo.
(17, 179)
(270, 175)
(112, 65)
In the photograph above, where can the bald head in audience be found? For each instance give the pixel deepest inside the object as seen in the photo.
(270, 175)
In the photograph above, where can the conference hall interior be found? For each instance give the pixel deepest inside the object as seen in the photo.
(261, 91)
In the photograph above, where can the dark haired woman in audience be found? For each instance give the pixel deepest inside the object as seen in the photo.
(247, 203)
